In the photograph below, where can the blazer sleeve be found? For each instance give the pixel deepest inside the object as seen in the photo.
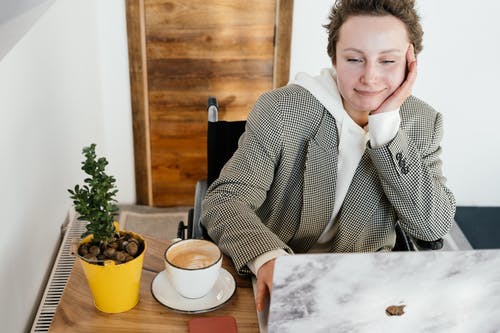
(229, 208)
(411, 176)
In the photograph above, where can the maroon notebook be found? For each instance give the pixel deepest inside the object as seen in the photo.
(226, 324)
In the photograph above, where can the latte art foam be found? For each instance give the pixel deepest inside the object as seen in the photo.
(192, 260)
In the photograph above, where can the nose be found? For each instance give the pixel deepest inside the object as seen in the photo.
(370, 73)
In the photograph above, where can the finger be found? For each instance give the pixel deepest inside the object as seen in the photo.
(410, 54)
(411, 59)
(260, 296)
(412, 73)
(410, 77)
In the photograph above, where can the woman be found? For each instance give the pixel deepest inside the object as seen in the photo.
(331, 163)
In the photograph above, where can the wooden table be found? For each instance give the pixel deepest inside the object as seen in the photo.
(76, 311)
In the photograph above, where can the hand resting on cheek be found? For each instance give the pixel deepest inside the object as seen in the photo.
(397, 98)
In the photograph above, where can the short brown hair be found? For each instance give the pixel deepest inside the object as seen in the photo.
(401, 9)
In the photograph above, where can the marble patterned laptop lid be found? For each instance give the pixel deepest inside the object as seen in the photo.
(435, 291)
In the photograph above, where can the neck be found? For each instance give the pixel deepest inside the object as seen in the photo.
(359, 117)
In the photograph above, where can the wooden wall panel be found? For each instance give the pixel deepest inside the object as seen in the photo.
(180, 53)
(196, 49)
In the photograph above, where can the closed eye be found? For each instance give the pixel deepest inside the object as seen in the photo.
(388, 61)
(354, 60)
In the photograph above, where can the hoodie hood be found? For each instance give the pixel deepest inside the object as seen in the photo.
(324, 88)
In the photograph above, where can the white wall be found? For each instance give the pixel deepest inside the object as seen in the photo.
(458, 75)
(62, 86)
(16, 18)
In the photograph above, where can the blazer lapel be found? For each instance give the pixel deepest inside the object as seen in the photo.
(363, 196)
(320, 176)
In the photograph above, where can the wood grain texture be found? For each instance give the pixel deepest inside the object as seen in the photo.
(196, 49)
(76, 311)
(139, 100)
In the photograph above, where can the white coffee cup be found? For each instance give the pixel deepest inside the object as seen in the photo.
(193, 266)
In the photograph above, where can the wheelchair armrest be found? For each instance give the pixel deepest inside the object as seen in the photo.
(433, 245)
(427, 246)
(405, 242)
(194, 218)
(186, 231)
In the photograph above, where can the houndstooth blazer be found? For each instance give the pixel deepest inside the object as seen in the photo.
(278, 189)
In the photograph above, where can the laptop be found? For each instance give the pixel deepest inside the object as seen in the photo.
(434, 291)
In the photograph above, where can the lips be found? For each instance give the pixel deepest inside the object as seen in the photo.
(368, 93)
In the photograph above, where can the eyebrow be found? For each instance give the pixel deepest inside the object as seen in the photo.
(361, 52)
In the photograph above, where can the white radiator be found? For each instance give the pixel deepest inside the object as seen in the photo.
(58, 277)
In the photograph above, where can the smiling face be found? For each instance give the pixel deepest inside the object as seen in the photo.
(370, 62)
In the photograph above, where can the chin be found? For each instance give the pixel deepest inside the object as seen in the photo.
(368, 107)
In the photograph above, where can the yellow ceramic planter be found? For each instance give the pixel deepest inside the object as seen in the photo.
(115, 288)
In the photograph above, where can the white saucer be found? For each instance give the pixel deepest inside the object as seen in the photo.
(223, 290)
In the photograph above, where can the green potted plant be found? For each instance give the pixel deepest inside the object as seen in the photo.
(112, 259)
